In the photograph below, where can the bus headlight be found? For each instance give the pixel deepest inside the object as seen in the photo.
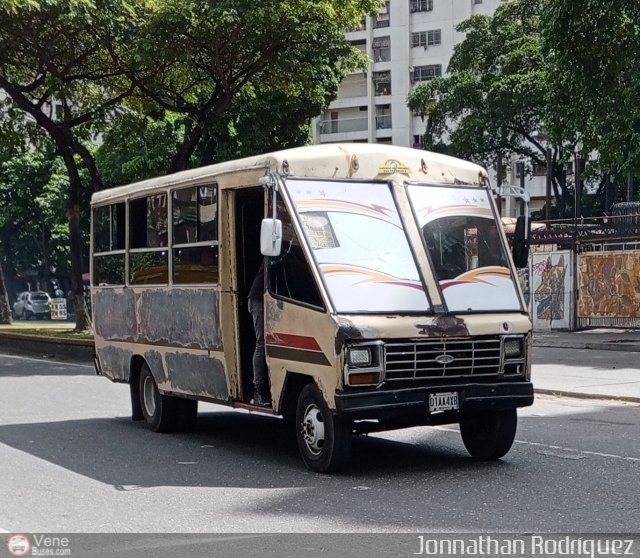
(514, 347)
(359, 357)
(364, 364)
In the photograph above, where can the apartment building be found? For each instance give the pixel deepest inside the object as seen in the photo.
(409, 41)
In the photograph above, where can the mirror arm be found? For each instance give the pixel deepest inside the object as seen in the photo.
(269, 181)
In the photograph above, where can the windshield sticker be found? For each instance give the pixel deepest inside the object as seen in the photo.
(319, 230)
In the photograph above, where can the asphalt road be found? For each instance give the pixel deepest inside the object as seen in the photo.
(71, 460)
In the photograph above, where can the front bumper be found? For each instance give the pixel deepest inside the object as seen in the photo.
(472, 397)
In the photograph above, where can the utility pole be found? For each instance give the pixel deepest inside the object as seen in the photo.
(499, 179)
(547, 203)
(577, 210)
(520, 167)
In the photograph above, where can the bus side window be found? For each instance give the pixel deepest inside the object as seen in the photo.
(290, 274)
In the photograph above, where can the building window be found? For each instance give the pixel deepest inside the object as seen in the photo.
(382, 49)
(360, 44)
(426, 73)
(421, 5)
(477, 1)
(362, 26)
(382, 18)
(539, 170)
(383, 117)
(382, 82)
(426, 38)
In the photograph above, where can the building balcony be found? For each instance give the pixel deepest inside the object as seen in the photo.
(353, 87)
(383, 122)
(344, 126)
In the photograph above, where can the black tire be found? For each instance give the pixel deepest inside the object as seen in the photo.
(324, 440)
(489, 435)
(161, 412)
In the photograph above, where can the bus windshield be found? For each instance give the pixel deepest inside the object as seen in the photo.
(469, 259)
(360, 246)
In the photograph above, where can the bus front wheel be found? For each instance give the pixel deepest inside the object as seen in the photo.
(489, 434)
(161, 412)
(324, 440)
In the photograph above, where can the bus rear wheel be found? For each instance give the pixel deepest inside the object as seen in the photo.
(324, 440)
(489, 435)
(161, 412)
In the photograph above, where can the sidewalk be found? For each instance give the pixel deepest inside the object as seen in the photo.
(614, 377)
(617, 377)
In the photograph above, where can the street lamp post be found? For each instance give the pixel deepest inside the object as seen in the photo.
(522, 181)
(547, 201)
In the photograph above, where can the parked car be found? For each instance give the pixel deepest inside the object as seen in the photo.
(32, 303)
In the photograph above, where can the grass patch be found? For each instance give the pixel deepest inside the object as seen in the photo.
(51, 332)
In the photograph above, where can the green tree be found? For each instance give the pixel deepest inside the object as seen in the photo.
(34, 232)
(69, 64)
(593, 51)
(55, 68)
(195, 58)
(137, 146)
(495, 96)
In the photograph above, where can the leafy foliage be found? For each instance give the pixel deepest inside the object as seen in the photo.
(593, 50)
(33, 200)
(495, 98)
(71, 65)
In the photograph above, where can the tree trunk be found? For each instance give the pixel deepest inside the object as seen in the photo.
(75, 237)
(5, 310)
(182, 157)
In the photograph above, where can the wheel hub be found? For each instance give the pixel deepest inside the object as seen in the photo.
(149, 396)
(313, 429)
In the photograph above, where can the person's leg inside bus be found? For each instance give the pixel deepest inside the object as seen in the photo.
(262, 394)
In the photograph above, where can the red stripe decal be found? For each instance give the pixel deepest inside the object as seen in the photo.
(293, 341)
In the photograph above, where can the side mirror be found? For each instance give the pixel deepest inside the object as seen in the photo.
(271, 237)
(521, 242)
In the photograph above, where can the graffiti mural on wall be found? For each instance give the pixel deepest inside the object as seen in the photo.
(609, 285)
(551, 285)
(524, 278)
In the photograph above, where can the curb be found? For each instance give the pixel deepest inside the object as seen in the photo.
(582, 395)
(72, 349)
(601, 346)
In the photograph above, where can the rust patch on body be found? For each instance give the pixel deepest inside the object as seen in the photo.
(115, 363)
(444, 326)
(346, 330)
(154, 361)
(197, 374)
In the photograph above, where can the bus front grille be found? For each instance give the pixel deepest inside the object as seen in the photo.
(442, 358)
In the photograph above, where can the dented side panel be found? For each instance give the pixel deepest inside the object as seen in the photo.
(175, 330)
(187, 318)
(196, 374)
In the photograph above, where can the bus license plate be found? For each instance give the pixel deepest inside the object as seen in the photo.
(443, 401)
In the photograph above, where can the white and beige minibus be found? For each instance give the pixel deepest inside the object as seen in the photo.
(391, 296)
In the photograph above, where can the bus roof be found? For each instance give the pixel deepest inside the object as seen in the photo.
(360, 161)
